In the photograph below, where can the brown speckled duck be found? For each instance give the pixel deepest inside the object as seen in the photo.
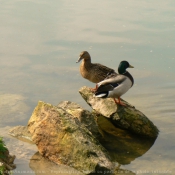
(94, 72)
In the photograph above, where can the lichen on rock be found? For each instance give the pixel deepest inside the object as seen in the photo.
(85, 117)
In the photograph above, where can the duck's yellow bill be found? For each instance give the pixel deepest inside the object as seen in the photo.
(131, 66)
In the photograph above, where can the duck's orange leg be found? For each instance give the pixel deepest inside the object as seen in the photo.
(119, 102)
(94, 89)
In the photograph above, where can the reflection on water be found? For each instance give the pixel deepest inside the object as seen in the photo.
(39, 165)
(123, 146)
(41, 41)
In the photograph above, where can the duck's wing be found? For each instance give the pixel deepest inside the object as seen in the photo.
(111, 75)
(111, 83)
(104, 88)
(103, 70)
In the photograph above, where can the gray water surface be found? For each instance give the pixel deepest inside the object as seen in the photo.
(40, 42)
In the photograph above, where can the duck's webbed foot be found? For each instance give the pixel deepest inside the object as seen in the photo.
(119, 102)
(94, 89)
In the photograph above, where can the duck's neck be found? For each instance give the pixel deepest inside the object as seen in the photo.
(87, 63)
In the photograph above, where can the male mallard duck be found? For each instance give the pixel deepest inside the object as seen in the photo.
(94, 72)
(116, 85)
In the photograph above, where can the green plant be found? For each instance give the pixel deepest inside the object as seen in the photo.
(3, 148)
(2, 145)
(2, 168)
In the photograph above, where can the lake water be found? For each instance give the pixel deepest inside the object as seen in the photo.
(40, 42)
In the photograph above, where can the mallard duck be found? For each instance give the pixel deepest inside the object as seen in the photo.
(116, 85)
(94, 72)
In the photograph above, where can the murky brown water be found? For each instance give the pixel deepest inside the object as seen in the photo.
(41, 41)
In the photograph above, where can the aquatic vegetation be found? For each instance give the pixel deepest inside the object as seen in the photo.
(3, 149)
(2, 168)
(2, 146)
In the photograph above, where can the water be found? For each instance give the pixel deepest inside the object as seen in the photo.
(41, 41)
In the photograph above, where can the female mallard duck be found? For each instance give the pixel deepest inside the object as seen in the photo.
(94, 72)
(116, 85)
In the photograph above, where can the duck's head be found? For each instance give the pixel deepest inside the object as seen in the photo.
(123, 66)
(84, 55)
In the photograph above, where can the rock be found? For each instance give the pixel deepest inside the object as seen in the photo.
(61, 138)
(127, 118)
(85, 117)
(21, 133)
(122, 146)
(113, 137)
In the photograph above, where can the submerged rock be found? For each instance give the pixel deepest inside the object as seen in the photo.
(61, 138)
(40, 165)
(21, 133)
(127, 118)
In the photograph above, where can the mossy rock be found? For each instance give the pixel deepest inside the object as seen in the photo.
(62, 138)
(128, 118)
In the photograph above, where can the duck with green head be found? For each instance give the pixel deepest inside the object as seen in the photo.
(116, 85)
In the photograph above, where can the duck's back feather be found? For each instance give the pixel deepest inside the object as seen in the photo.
(95, 72)
(114, 79)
